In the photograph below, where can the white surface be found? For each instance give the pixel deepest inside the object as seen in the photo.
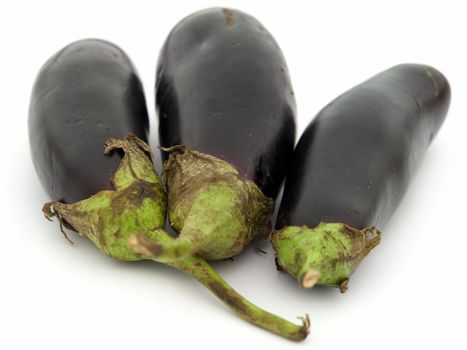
(410, 292)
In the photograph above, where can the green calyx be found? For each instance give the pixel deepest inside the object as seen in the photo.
(215, 211)
(325, 255)
(136, 207)
(109, 218)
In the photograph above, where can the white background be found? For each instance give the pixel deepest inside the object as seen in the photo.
(410, 291)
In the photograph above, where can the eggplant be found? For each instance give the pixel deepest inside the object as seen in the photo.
(82, 95)
(227, 128)
(351, 168)
(86, 93)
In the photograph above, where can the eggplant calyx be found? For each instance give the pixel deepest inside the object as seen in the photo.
(215, 211)
(137, 204)
(325, 255)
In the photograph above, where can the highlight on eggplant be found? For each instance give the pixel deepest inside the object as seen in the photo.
(227, 129)
(84, 92)
(351, 168)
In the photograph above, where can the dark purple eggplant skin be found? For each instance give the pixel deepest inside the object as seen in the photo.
(354, 162)
(85, 94)
(223, 88)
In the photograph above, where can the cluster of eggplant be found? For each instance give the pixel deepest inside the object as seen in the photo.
(227, 129)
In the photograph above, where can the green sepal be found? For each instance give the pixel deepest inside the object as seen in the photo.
(324, 255)
(216, 211)
(136, 205)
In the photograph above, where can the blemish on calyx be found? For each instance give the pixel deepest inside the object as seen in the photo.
(429, 73)
(228, 17)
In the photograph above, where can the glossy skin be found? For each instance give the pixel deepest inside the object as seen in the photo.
(223, 88)
(354, 162)
(85, 94)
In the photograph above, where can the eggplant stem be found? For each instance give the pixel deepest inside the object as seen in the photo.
(309, 278)
(167, 251)
(199, 269)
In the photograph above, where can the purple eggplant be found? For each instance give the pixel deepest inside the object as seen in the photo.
(85, 94)
(227, 126)
(351, 168)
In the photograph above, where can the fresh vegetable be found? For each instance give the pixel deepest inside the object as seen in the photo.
(85, 92)
(227, 122)
(351, 168)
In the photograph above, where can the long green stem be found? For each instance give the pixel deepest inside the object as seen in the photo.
(199, 269)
